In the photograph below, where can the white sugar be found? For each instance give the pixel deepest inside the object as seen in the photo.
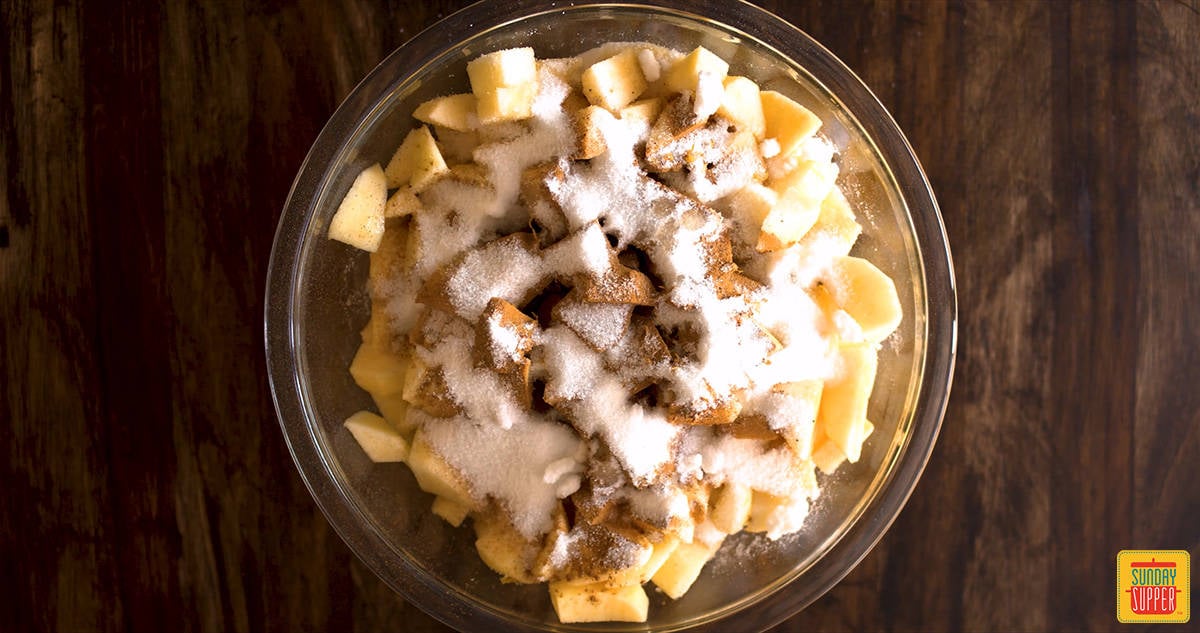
(769, 148)
(584, 251)
(659, 504)
(499, 269)
(709, 92)
(505, 341)
(600, 324)
(481, 394)
(484, 454)
(571, 365)
(751, 463)
(640, 439)
(649, 65)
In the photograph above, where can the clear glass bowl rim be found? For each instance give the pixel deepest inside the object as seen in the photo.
(914, 188)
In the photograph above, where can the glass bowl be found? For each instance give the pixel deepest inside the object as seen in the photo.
(316, 303)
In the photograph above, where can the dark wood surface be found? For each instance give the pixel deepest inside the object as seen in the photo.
(145, 155)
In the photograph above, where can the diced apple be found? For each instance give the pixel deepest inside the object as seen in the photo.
(684, 75)
(588, 134)
(359, 218)
(502, 69)
(845, 398)
(836, 229)
(452, 512)
(455, 146)
(778, 515)
(504, 84)
(471, 175)
(784, 226)
(683, 567)
(662, 551)
(417, 162)
(615, 82)
(762, 505)
(827, 456)
(742, 104)
(377, 370)
(646, 110)
(750, 205)
(436, 476)
(503, 549)
(507, 104)
(799, 205)
(599, 603)
(378, 439)
(425, 388)
(729, 507)
(867, 295)
(786, 121)
(803, 396)
(456, 112)
(402, 202)
(394, 408)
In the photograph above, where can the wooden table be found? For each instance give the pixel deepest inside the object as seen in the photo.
(145, 155)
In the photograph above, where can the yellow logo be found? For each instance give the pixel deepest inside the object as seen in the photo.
(1153, 586)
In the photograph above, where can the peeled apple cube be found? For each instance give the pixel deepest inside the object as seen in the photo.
(453, 512)
(502, 69)
(504, 550)
(730, 507)
(359, 218)
(742, 104)
(786, 121)
(417, 162)
(615, 82)
(599, 603)
(403, 202)
(394, 408)
(827, 456)
(836, 225)
(456, 112)
(504, 84)
(684, 75)
(378, 439)
(785, 225)
(749, 206)
(588, 134)
(798, 433)
(662, 551)
(867, 295)
(800, 195)
(683, 567)
(844, 400)
(378, 371)
(507, 104)
(647, 110)
(435, 476)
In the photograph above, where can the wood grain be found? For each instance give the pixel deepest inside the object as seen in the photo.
(145, 154)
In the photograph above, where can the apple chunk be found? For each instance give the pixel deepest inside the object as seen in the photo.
(742, 104)
(615, 82)
(378, 439)
(504, 84)
(359, 218)
(417, 162)
(684, 75)
(456, 112)
(786, 121)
